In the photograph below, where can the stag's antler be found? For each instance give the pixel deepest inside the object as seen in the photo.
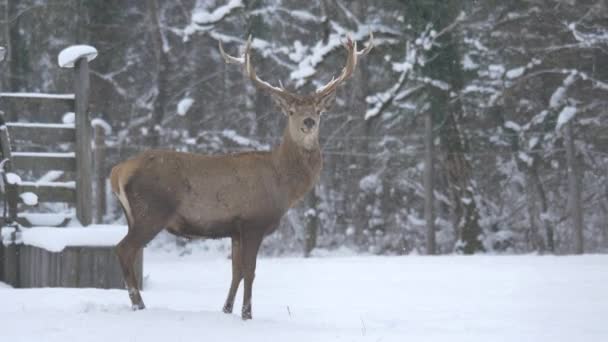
(245, 60)
(349, 68)
(322, 92)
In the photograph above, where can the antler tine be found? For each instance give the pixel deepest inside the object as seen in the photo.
(230, 59)
(349, 68)
(370, 45)
(245, 61)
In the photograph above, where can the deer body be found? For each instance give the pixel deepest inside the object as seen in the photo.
(206, 196)
(241, 196)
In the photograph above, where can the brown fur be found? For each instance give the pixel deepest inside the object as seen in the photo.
(241, 196)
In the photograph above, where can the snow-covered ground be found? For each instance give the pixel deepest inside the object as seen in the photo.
(480, 298)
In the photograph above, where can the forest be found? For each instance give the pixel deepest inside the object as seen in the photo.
(471, 126)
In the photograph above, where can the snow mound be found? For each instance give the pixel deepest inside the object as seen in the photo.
(29, 198)
(559, 94)
(496, 71)
(512, 125)
(57, 239)
(69, 118)
(370, 183)
(184, 106)
(525, 158)
(68, 56)
(514, 73)
(46, 219)
(564, 116)
(13, 178)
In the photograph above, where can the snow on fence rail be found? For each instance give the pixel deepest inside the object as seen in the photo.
(39, 125)
(45, 154)
(39, 96)
(67, 185)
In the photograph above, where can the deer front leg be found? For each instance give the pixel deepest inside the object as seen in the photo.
(250, 245)
(237, 274)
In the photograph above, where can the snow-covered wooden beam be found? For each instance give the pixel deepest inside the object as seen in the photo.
(203, 20)
(67, 57)
(66, 257)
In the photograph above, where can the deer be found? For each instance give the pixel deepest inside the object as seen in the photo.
(240, 196)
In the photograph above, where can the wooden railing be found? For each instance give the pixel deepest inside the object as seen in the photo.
(78, 191)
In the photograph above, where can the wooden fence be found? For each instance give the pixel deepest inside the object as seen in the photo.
(77, 162)
(79, 266)
(23, 265)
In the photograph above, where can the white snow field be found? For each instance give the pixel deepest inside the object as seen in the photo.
(415, 298)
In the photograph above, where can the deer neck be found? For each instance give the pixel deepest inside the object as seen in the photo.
(298, 167)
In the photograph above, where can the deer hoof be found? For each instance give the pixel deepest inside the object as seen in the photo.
(227, 309)
(137, 307)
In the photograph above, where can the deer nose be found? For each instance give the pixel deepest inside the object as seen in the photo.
(310, 123)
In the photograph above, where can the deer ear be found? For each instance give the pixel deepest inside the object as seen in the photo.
(283, 103)
(326, 102)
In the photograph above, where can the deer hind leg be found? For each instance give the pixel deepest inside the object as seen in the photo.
(250, 244)
(144, 225)
(127, 251)
(237, 273)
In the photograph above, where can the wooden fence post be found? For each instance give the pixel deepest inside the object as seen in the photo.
(11, 190)
(84, 181)
(100, 176)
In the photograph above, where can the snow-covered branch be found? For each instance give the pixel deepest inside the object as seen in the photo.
(202, 19)
(307, 65)
(416, 55)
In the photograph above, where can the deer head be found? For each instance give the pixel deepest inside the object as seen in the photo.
(303, 111)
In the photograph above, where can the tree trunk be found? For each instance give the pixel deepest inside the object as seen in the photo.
(465, 212)
(82, 21)
(363, 128)
(429, 213)
(444, 65)
(161, 77)
(16, 58)
(605, 224)
(7, 26)
(544, 209)
(534, 240)
(574, 190)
